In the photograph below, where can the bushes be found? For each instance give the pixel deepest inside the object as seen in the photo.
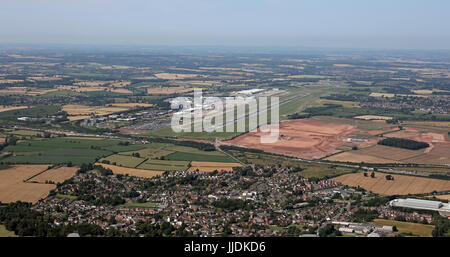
(403, 143)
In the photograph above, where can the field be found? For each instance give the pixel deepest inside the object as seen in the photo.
(376, 154)
(6, 233)
(131, 105)
(9, 108)
(306, 138)
(421, 230)
(131, 171)
(348, 104)
(58, 175)
(401, 185)
(357, 158)
(373, 117)
(168, 90)
(13, 188)
(123, 160)
(64, 150)
(212, 166)
(174, 75)
(77, 110)
(164, 165)
(183, 156)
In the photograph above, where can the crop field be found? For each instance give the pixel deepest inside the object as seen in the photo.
(168, 90)
(77, 110)
(174, 76)
(57, 175)
(64, 150)
(418, 229)
(373, 117)
(4, 108)
(212, 166)
(184, 156)
(132, 172)
(164, 165)
(401, 185)
(123, 160)
(13, 188)
(131, 105)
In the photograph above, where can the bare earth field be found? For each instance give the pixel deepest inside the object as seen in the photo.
(131, 171)
(12, 187)
(305, 138)
(401, 185)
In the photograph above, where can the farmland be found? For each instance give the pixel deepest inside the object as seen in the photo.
(421, 230)
(401, 185)
(131, 171)
(13, 188)
(212, 166)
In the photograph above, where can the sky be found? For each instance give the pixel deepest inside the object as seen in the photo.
(391, 24)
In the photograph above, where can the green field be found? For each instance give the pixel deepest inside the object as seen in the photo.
(72, 197)
(123, 160)
(183, 156)
(164, 165)
(63, 150)
(140, 205)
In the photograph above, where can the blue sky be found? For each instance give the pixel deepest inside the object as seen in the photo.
(404, 24)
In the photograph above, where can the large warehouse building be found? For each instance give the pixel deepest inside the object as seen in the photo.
(442, 208)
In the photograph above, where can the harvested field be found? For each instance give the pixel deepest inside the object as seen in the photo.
(168, 90)
(173, 76)
(305, 138)
(10, 108)
(78, 117)
(13, 188)
(373, 117)
(131, 171)
(442, 197)
(212, 166)
(401, 185)
(58, 175)
(131, 105)
(82, 110)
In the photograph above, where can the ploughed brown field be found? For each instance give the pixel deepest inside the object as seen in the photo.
(401, 185)
(305, 138)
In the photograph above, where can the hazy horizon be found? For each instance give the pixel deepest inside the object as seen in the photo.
(382, 24)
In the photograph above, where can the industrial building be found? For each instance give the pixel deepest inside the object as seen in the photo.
(442, 208)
